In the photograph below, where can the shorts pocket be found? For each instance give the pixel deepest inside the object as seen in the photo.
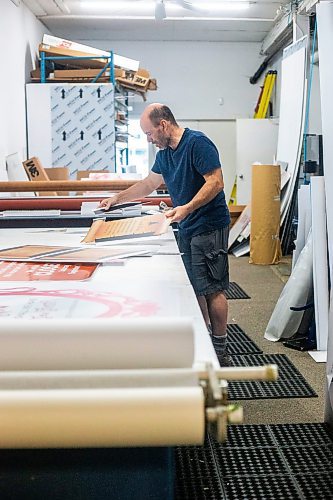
(217, 264)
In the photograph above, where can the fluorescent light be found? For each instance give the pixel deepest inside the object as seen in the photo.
(137, 6)
(170, 19)
(225, 5)
(221, 5)
(110, 5)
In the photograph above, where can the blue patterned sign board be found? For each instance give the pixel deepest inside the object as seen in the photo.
(83, 129)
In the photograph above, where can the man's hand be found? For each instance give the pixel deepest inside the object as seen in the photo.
(108, 202)
(177, 214)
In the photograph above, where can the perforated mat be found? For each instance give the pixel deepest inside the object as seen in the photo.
(259, 462)
(236, 292)
(239, 342)
(290, 384)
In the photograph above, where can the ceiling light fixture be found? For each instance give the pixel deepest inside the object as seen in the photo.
(137, 6)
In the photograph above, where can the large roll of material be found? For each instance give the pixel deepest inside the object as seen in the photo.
(265, 247)
(72, 344)
(102, 417)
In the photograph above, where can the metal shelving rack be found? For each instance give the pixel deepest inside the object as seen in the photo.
(120, 103)
(109, 64)
(121, 126)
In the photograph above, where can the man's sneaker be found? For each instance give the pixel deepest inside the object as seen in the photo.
(224, 359)
(221, 348)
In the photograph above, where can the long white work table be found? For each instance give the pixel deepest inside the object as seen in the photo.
(145, 286)
(100, 379)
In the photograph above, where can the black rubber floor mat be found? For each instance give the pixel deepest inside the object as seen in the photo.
(316, 486)
(250, 461)
(301, 435)
(290, 384)
(196, 474)
(239, 342)
(259, 462)
(311, 459)
(236, 292)
(264, 488)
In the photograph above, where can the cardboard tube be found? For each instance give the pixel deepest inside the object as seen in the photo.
(23, 186)
(102, 417)
(64, 203)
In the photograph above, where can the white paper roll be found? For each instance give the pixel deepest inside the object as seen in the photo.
(74, 344)
(97, 379)
(101, 417)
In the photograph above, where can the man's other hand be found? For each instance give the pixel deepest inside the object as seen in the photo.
(108, 202)
(177, 214)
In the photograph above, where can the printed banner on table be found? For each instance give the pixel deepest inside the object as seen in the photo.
(31, 271)
(45, 253)
(135, 227)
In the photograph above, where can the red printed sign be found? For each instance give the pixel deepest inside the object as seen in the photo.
(47, 271)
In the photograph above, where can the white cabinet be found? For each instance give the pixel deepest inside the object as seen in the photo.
(256, 141)
(72, 125)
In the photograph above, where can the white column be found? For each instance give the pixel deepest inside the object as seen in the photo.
(325, 44)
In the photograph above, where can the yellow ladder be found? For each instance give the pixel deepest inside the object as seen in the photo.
(265, 95)
(233, 196)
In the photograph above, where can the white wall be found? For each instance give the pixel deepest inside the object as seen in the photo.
(315, 109)
(206, 84)
(193, 77)
(20, 35)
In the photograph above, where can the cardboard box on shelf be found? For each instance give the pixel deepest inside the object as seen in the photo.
(140, 79)
(53, 45)
(80, 73)
(75, 63)
(119, 73)
(58, 174)
(36, 172)
(126, 71)
(70, 75)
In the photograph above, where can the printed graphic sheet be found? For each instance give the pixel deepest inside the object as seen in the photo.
(135, 227)
(45, 253)
(28, 271)
(109, 297)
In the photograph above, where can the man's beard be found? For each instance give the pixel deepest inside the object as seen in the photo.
(164, 143)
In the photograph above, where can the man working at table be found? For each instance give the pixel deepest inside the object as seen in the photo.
(188, 163)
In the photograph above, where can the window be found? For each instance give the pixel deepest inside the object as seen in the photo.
(138, 158)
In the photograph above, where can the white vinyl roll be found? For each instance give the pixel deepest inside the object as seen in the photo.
(102, 417)
(75, 344)
(97, 379)
(320, 261)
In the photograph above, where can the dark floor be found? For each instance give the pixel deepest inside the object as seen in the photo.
(259, 462)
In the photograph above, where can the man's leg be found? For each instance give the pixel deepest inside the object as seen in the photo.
(218, 313)
(204, 310)
(217, 306)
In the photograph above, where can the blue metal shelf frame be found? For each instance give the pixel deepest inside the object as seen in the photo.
(44, 58)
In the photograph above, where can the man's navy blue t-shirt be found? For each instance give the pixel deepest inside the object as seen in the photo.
(183, 169)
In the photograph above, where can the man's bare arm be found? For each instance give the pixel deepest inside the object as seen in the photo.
(139, 190)
(213, 185)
